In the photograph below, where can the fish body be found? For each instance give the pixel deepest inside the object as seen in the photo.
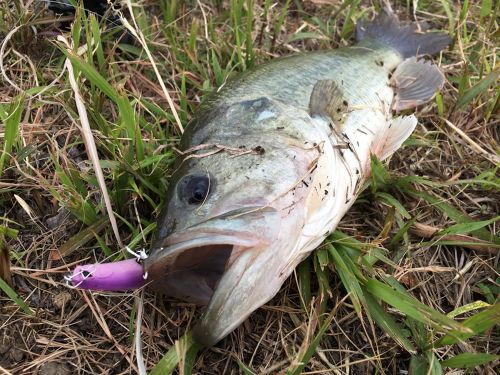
(272, 162)
(292, 78)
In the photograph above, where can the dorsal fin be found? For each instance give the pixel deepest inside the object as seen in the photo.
(409, 40)
(327, 100)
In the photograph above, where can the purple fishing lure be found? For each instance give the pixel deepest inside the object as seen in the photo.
(117, 276)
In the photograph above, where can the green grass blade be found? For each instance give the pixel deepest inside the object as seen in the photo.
(472, 244)
(249, 38)
(322, 257)
(440, 104)
(450, 15)
(464, 228)
(244, 369)
(425, 364)
(349, 26)
(352, 245)
(3, 112)
(385, 321)
(349, 279)
(391, 201)
(476, 324)
(466, 308)
(128, 121)
(466, 360)
(93, 75)
(96, 34)
(306, 357)
(139, 237)
(11, 128)
(402, 232)
(454, 214)
(490, 291)
(322, 274)
(418, 365)
(375, 255)
(126, 110)
(170, 360)
(14, 297)
(412, 307)
(81, 238)
(304, 279)
(380, 176)
(478, 88)
(486, 8)
(435, 367)
(190, 359)
(9, 232)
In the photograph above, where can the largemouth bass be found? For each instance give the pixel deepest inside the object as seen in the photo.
(272, 162)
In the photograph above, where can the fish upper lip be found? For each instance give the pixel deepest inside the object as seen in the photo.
(202, 234)
(196, 237)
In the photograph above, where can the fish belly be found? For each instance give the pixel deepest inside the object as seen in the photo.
(341, 170)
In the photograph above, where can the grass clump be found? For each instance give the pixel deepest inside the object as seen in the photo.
(409, 282)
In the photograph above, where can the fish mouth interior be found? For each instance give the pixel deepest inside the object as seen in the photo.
(192, 274)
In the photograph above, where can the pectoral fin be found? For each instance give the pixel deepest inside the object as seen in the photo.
(327, 100)
(415, 83)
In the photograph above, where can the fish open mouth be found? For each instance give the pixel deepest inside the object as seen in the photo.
(191, 270)
(191, 274)
(209, 260)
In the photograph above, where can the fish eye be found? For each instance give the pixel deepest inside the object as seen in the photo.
(194, 189)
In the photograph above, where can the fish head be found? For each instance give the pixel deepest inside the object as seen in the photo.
(234, 212)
